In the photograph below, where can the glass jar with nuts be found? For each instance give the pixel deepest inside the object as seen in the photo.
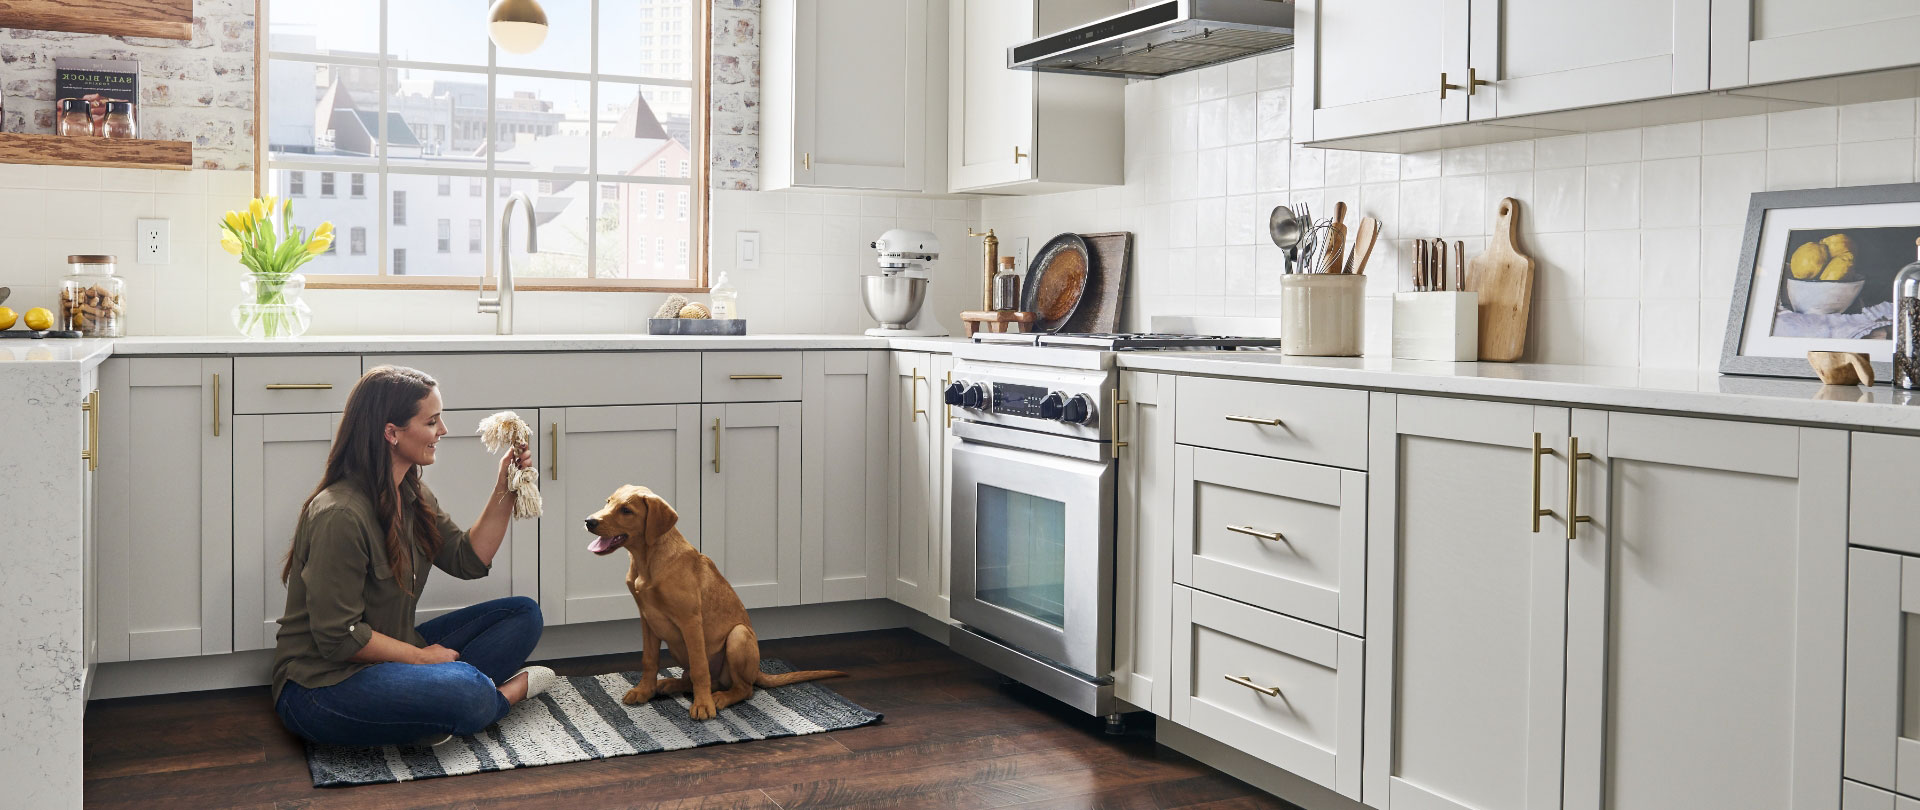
(92, 298)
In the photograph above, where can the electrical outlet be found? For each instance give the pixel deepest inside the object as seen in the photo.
(150, 241)
(746, 250)
(1018, 250)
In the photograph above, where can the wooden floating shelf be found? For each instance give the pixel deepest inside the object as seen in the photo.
(165, 19)
(112, 153)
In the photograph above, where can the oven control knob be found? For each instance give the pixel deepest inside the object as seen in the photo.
(976, 397)
(1079, 410)
(954, 391)
(1054, 406)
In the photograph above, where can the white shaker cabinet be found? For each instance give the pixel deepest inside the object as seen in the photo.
(1022, 132)
(90, 535)
(1706, 601)
(940, 491)
(1367, 68)
(1142, 418)
(843, 440)
(750, 498)
(165, 507)
(1883, 685)
(277, 461)
(590, 452)
(914, 505)
(1466, 605)
(853, 95)
(1762, 41)
(1543, 55)
(462, 477)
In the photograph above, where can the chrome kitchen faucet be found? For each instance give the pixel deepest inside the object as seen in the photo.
(502, 302)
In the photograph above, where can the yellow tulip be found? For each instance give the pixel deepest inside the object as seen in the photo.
(271, 205)
(236, 220)
(257, 209)
(230, 244)
(325, 230)
(318, 246)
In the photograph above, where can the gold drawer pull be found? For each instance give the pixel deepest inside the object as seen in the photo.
(91, 406)
(1538, 451)
(216, 404)
(716, 445)
(753, 376)
(554, 470)
(1117, 402)
(1254, 420)
(299, 386)
(1246, 681)
(1253, 532)
(1574, 457)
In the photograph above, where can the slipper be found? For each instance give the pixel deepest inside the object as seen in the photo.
(539, 680)
(432, 741)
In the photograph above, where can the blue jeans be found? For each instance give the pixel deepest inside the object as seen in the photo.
(390, 703)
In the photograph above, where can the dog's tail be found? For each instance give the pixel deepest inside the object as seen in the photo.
(767, 681)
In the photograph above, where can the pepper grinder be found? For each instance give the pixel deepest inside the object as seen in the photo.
(990, 253)
(1906, 325)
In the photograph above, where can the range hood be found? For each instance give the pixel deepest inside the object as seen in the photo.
(1161, 39)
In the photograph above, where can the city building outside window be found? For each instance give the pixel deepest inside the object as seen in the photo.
(326, 184)
(399, 207)
(357, 241)
(296, 184)
(445, 231)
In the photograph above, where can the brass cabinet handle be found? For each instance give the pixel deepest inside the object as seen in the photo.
(216, 404)
(1253, 532)
(1243, 680)
(553, 434)
(1254, 420)
(91, 405)
(716, 445)
(753, 376)
(1472, 81)
(915, 413)
(1574, 457)
(1538, 451)
(1017, 154)
(943, 399)
(299, 386)
(1117, 402)
(806, 161)
(1444, 87)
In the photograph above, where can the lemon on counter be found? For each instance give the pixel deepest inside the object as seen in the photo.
(39, 319)
(7, 318)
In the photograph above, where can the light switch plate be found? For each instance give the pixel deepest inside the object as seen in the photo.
(150, 241)
(746, 250)
(1018, 250)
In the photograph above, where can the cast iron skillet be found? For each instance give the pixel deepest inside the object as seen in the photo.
(1057, 282)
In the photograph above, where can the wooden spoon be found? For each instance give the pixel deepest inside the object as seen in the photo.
(1363, 239)
(1336, 239)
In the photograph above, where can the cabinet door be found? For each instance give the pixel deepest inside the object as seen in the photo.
(1377, 67)
(750, 498)
(1143, 556)
(843, 453)
(1705, 614)
(859, 111)
(590, 453)
(277, 461)
(1558, 54)
(910, 413)
(462, 477)
(1763, 41)
(166, 508)
(1883, 675)
(990, 113)
(90, 539)
(1466, 605)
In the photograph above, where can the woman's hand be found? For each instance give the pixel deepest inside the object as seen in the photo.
(436, 654)
(518, 457)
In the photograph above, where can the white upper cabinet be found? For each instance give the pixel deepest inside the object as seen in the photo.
(853, 95)
(1021, 132)
(1367, 68)
(1543, 55)
(1761, 41)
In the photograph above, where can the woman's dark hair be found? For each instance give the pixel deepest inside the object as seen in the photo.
(360, 456)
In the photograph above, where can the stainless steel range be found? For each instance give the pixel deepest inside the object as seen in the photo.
(1033, 508)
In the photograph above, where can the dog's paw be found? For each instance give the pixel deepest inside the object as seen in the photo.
(637, 696)
(702, 709)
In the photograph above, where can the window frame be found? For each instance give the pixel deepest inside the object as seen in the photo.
(697, 186)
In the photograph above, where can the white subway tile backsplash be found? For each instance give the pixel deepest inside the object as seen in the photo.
(1669, 333)
(1803, 167)
(1211, 123)
(1510, 157)
(1613, 147)
(1809, 127)
(1463, 206)
(1273, 161)
(1873, 162)
(1420, 165)
(1273, 116)
(1210, 173)
(1242, 219)
(1240, 76)
(1671, 190)
(1613, 265)
(1670, 140)
(1670, 263)
(1560, 204)
(1242, 174)
(1309, 167)
(1726, 182)
(1613, 196)
(1344, 168)
(1724, 135)
(1877, 121)
(1272, 70)
(1242, 120)
(1464, 160)
(1559, 265)
(1611, 332)
(1560, 152)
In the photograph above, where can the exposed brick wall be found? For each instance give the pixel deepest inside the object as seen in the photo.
(199, 91)
(735, 140)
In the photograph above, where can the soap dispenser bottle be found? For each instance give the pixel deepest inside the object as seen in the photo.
(726, 299)
(1906, 325)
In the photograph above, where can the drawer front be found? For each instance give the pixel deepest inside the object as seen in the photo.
(573, 379)
(1286, 536)
(303, 384)
(1278, 688)
(1856, 796)
(1882, 748)
(750, 376)
(1298, 422)
(1882, 489)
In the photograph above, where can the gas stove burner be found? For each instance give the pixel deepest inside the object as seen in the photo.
(1137, 341)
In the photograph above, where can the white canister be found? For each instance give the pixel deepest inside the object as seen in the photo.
(1322, 314)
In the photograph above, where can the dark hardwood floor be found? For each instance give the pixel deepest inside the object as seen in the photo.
(953, 737)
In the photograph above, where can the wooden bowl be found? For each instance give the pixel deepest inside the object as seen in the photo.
(1841, 368)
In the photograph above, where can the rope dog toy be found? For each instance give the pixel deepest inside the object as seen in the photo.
(506, 430)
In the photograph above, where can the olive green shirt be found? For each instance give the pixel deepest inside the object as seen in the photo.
(341, 589)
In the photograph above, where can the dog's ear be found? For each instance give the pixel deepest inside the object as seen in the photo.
(660, 516)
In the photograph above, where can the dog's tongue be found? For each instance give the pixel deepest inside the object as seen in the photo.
(605, 545)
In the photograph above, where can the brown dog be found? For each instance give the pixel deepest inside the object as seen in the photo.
(686, 602)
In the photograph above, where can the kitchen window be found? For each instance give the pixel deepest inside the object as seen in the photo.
(412, 100)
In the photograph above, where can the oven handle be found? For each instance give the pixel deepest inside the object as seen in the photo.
(1026, 440)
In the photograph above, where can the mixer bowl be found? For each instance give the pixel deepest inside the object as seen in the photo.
(893, 300)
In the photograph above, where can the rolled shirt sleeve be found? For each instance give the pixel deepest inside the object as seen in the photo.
(456, 556)
(335, 575)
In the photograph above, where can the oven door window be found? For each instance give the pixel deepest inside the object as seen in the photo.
(1021, 562)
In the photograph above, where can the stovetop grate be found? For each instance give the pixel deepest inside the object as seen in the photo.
(1136, 341)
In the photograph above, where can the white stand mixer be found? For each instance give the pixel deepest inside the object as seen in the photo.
(894, 297)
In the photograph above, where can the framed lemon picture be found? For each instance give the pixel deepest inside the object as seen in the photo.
(1816, 274)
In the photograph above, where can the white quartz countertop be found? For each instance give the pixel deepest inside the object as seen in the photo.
(410, 344)
(1772, 399)
(84, 353)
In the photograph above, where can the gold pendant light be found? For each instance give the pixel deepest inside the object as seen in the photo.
(517, 26)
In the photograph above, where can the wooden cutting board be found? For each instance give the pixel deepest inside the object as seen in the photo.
(1106, 291)
(1503, 276)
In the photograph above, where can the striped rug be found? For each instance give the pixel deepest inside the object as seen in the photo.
(582, 718)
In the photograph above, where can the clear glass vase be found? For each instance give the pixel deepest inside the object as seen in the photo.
(270, 307)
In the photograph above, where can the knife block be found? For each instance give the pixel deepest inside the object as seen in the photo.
(1436, 326)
